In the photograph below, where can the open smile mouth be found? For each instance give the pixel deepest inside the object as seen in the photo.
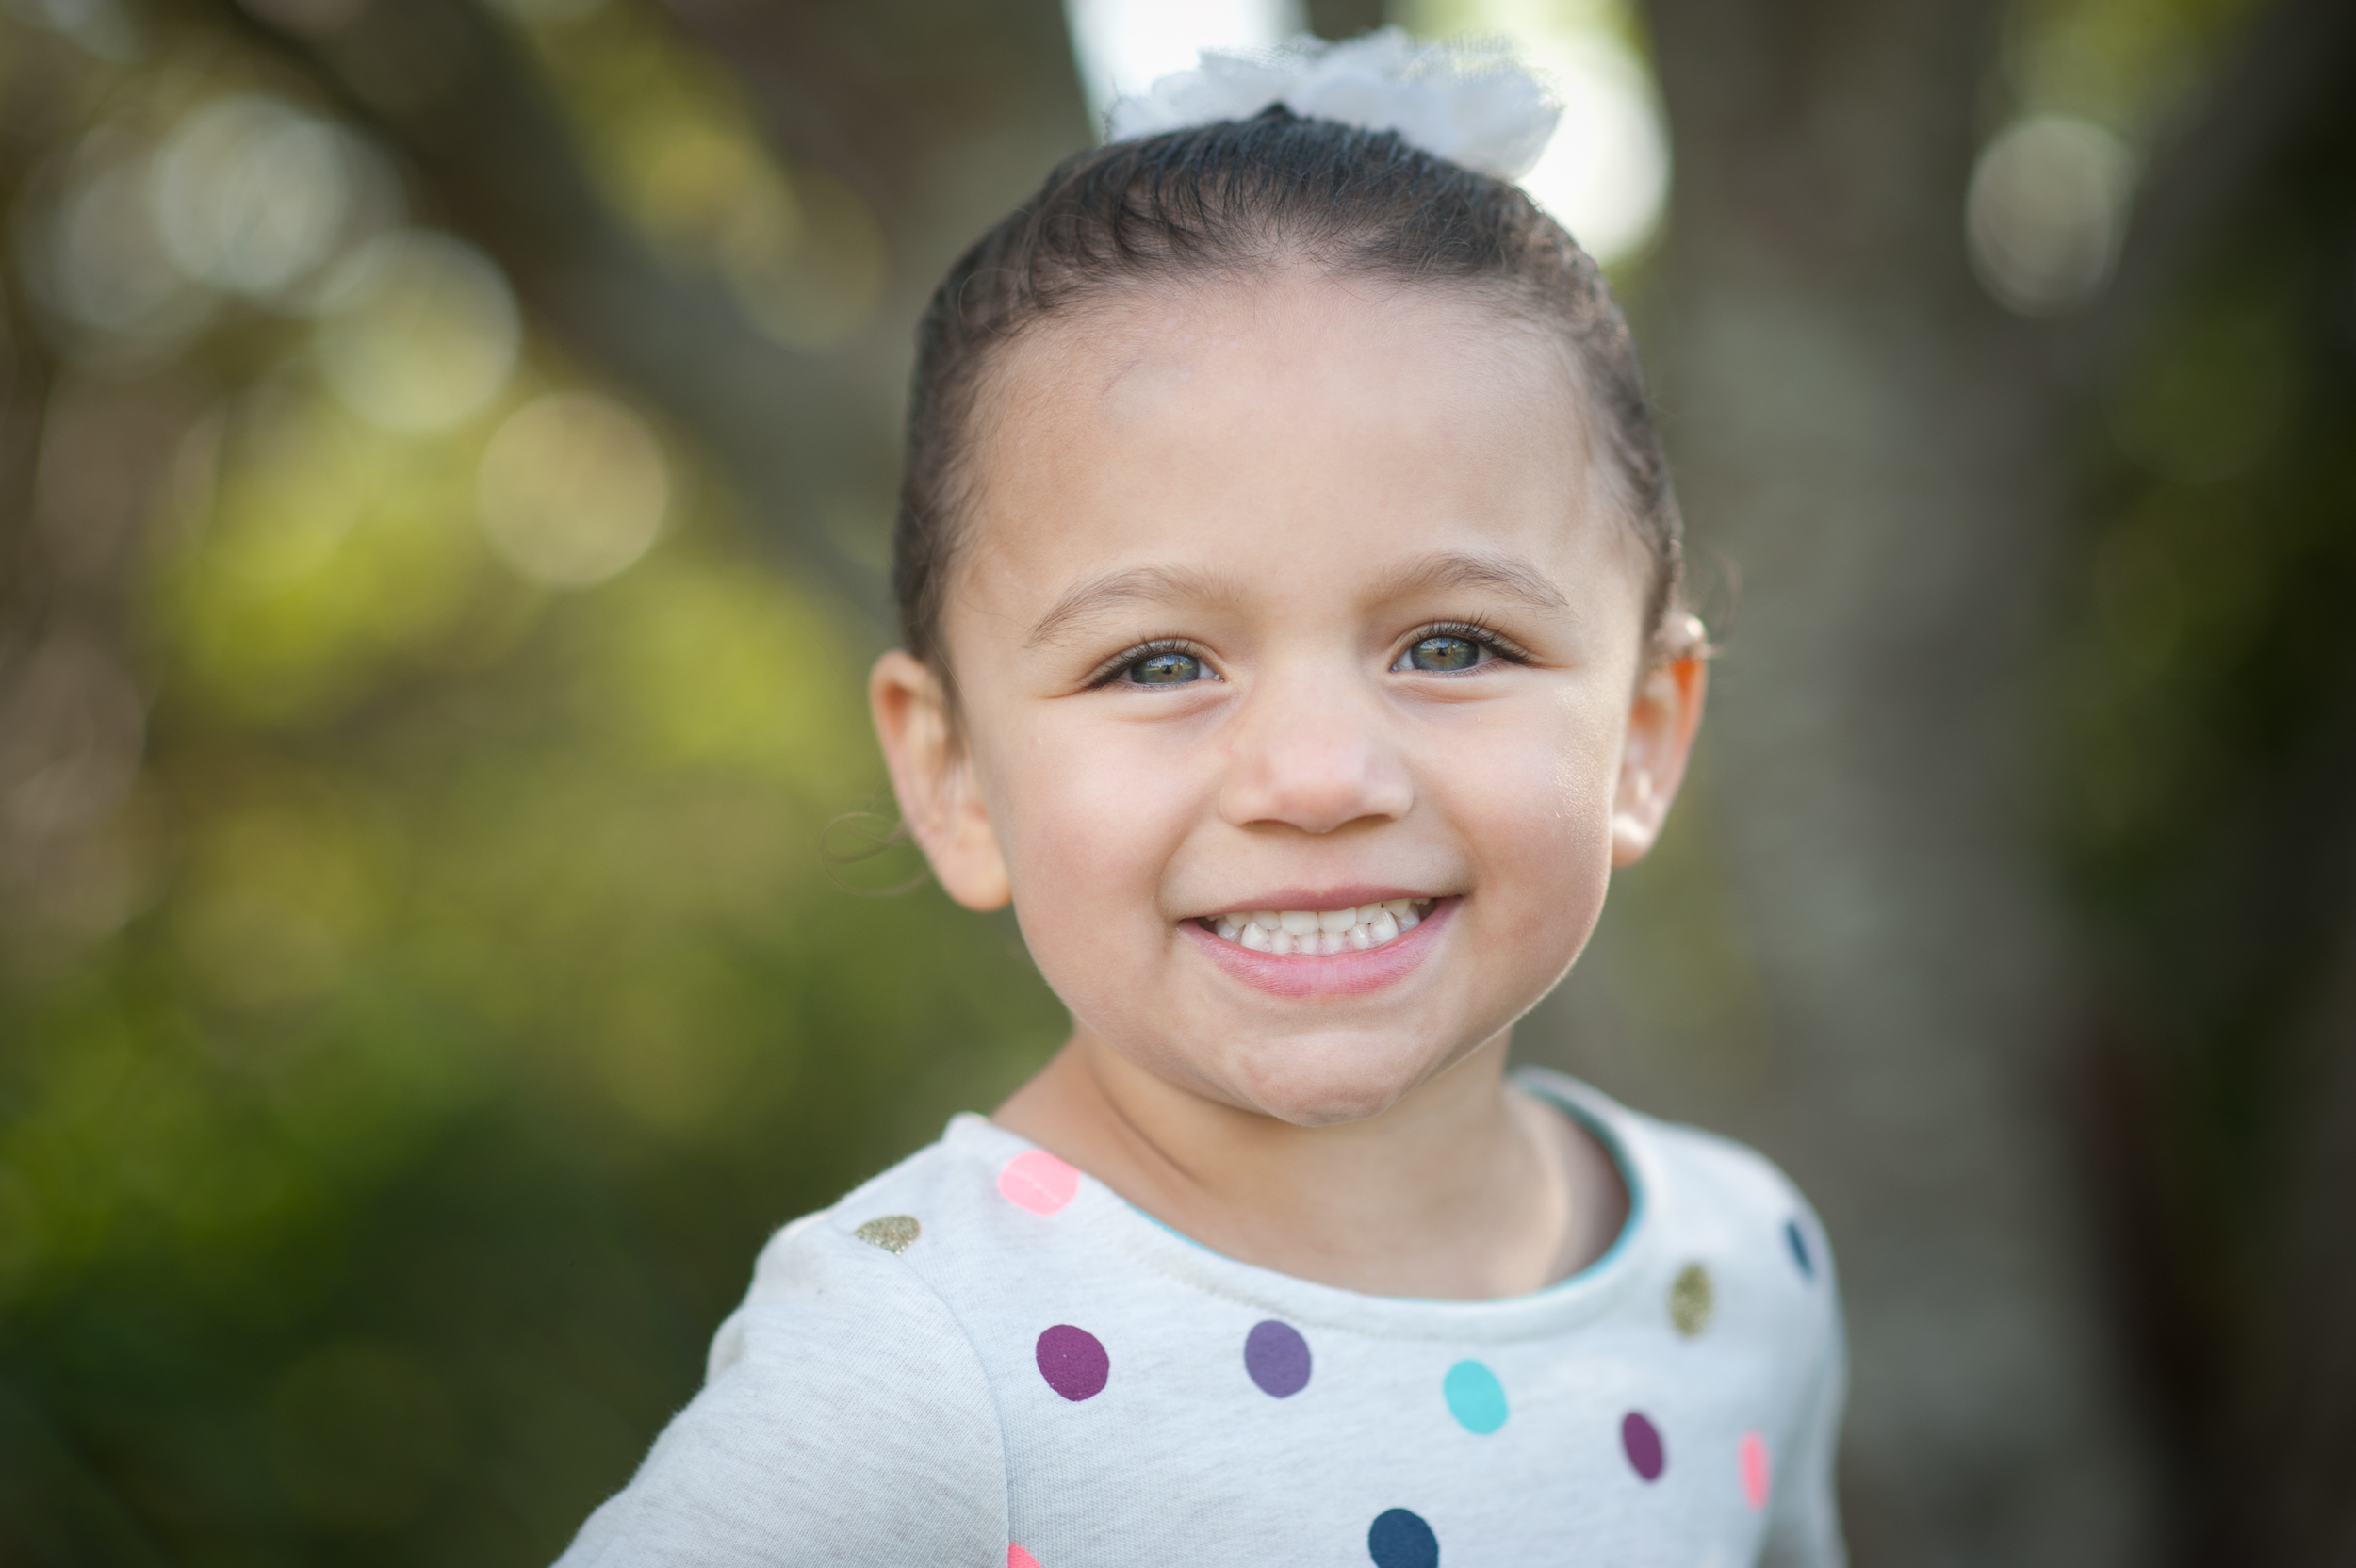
(1358, 928)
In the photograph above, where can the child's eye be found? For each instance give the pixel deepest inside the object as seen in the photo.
(1442, 653)
(1163, 669)
(1156, 664)
(1451, 647)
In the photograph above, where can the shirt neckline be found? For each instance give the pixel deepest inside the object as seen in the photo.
(1550, 1310)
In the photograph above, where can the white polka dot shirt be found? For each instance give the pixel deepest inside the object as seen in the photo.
(985, 1358)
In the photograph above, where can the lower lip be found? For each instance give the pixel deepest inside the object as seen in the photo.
(1352, 973)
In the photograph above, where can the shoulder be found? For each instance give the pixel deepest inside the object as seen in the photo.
(1696, 1187)
(1709, 1181)
(842, 1398)
(1725, 1237)
(877, 1253)
(1728, 1244)
(914, 1232)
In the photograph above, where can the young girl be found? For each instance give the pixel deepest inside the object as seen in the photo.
(1289, 577)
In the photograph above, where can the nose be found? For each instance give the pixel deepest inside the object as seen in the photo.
(1313, 756)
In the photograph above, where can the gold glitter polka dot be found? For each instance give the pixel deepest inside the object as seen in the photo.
(894, 1233)
(1692, 1299)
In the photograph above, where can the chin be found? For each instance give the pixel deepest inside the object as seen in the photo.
(1323, 1083)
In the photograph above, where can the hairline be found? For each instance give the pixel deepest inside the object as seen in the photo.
(1518, 300)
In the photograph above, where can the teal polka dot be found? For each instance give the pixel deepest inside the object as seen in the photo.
(1474, 1396)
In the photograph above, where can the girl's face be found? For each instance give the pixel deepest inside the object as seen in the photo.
(1294, 597)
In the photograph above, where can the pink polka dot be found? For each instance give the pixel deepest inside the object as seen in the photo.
(1017, 1557)
(1752, 1455)
(1038, 1182)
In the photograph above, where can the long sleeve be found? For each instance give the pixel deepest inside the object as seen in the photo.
(846, 1419)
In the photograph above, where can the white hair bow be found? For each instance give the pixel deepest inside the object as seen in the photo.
(1469, 101)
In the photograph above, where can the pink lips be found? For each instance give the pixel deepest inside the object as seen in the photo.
(1353, 973)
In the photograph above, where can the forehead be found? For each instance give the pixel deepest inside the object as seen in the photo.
(1327, 429)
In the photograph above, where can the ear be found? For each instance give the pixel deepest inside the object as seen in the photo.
(933, 776)
(1662, 721)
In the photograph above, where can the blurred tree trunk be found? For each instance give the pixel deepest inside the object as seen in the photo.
(1856, 426)
(2295, 1398)
(1340, 19)
(1889, 461)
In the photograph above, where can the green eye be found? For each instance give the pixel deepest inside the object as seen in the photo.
(1165, 669)
(1444, 654)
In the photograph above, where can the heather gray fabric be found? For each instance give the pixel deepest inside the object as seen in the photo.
(1052, 1373)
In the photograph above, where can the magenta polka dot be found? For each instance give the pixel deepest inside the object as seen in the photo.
(1642, 1440)
(1750, 1456)
(1073, 1361)
(1038, 1182)
(1017, 1557)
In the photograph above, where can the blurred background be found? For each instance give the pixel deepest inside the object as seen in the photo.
(446, 452)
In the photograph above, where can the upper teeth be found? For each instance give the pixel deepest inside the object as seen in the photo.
(1323, 930)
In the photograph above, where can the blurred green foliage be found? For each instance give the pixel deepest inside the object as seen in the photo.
(403, 1066)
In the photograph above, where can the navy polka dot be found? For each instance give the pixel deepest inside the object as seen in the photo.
(1798, 1243)
(1401, 1540)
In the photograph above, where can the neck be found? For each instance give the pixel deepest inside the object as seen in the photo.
(1463, 1189)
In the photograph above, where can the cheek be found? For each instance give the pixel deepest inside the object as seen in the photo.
(1091, 816)
(1536, 798)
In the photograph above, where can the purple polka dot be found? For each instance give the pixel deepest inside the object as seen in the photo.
(1073, 1361)
(1642, 1440)
(1278, 1358)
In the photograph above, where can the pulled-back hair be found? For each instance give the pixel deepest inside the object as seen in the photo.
(1238, 199)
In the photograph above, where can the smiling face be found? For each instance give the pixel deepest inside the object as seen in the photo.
(1296, 598)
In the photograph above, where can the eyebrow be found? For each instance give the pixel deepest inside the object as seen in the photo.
(1115, 590)
(1501, 574)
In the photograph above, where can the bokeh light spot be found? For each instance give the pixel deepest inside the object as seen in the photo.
(572, 489)
(417, 330)
(250, 194)
(2046, 211)
(92, 255)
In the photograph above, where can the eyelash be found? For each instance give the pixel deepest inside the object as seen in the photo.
(1472, 631)
(1110, 670)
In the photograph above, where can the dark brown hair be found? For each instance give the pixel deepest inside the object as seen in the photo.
(1240, 198)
